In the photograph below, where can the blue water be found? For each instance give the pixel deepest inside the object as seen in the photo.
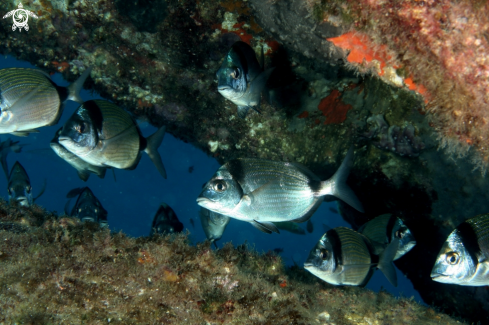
(133, 199)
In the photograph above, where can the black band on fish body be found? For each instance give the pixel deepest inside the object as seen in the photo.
(335, 241)
(469, 239)
(240, 48)
(95, 113)
(390, 227)
(315, 185)
(236, 169)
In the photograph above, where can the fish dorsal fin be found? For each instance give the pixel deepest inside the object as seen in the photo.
(306, 171)
(266, 227)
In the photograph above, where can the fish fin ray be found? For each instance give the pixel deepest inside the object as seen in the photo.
(243, 111)
(266, 227)
(83, 174)
(339, 188)
(75, 88)
(154, 142)
(24, 133)
(309, 213)
(385, 262)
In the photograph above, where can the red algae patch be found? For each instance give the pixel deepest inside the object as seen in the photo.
(333, 108)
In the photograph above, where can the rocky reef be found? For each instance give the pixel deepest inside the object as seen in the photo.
(332, 82)
(60, 271)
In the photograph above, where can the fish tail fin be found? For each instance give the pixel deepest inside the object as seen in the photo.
(385, 262)
(153, 143)
(75, 88)
(337, 186)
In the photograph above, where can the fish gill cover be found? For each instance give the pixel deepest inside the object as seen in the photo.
(166, 75)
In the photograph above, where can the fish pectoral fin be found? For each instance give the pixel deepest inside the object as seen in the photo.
(243, 111)
(83, 175)
(24, 133)
(44, 184)
(266, 227)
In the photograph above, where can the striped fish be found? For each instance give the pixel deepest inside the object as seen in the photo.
(82, 167)
(263, 191)
(213, 224)
(344, 257)
(383, 230)
(103, 134)
(19, 186)
(87, 207)
(464, 257)
(29, 99)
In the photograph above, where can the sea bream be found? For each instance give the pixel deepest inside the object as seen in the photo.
(82, 167)
(19, 186)
(344, 257)
(241, 79)
(165, 221)
(262, 191)
(29, 99)
(464, 257)
(213, 224)
(384, 229)
(103, 134)
(87, 207)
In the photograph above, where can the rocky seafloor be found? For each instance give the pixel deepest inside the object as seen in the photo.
(58, 271)
(158, 61)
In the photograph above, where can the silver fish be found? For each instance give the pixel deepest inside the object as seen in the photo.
(105, 135)
(262, 191)
(88, 207)
(19, 186)
(82, 167)
(383, 229)
(213, 224)
(165, 221)
(29, 99)
(241, 79)
(464, 257)
(344, 257)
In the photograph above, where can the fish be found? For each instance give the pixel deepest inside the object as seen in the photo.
(290, 227)
(383, 229)
(191, 169)
(87, 207)
(29, 99)
(213, 224)
(165, 221)
(278, 250)
(104, 135)
(263, 191)
(6, 147)
(464, 256)
(309, 226)
(19, 186)
(240, 78)
(192, 222)
(83, 168)
(344, 257)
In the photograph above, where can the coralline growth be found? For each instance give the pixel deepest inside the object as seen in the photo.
(61, 271)
(438, 48)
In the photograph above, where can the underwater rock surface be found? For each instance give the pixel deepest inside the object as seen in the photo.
(167, 78)
(61, 271)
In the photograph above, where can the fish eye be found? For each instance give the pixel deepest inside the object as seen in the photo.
(452, 258)
(235, 74)
(80, 128)
(96, 210)
(220, 186)
(399, 234)
(323, 254)
(28, 188)
(79, 210)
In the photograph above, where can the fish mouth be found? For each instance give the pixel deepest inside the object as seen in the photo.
(221, 88)
(63, 138)
(202, 200)
(23, 201)
(307, 265)
(85, 219)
